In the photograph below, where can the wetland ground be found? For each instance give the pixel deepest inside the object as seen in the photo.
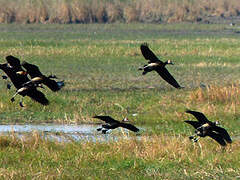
(99, 64)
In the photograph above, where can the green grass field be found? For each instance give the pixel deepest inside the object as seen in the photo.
(99, 65)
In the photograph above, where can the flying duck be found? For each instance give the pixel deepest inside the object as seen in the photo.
(113, 124)
(37, 77)
(15, 65)
(155, 64)
(11, 69)
(204, 128)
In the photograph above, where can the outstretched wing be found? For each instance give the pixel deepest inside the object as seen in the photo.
(13, 61)
(17, 80)
(34, 72)
(32, 69)
(199, 116)
(163, 72)
(107, 119)
(38, 96)
(195, 124)
(129, 126)
(223, 133)
(148, 54)
(217, 137)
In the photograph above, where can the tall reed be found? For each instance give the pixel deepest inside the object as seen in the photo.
(106, 11)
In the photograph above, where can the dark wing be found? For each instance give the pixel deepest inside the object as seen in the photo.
(195, 124)
(38, 96)
(148, 54)
(199, 116)
(32, 69)
(163, 72)
(51, 84)
(107, 119)
(13, 61)
(223, 133)
(17, 80)
(129, 126)
(217, 137)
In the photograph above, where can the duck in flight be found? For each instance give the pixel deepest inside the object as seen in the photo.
(38, 78)
(10, 70)
(113, 124)
(157, 65)
(13, 63)
(204, 128)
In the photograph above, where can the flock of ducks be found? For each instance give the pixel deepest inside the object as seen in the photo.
(27, 82)
(26, 86)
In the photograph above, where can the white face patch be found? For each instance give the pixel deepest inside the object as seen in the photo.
(125, 119)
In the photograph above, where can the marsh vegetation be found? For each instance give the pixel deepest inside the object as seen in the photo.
(99, 64)
(108, 11)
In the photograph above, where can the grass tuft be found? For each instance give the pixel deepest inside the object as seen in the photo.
(213, 93)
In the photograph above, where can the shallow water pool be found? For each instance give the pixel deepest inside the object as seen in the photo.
(59, 132)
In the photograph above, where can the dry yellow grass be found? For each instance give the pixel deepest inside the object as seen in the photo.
(76, 11)
(156, 147)
(42, 159)
(230, 94)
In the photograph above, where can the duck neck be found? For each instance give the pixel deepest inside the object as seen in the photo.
(165, 63)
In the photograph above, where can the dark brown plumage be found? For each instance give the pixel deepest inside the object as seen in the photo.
(19, 80)
(12, 69)
(155, 64)
(38, 78)
(113, 124)
(204, 128)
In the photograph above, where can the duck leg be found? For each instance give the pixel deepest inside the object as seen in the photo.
(142, 68)
(13, 97)
(194, 137)
(4, 77)
(104, 131)
(18, 91)
(8, 84)
(21, 102)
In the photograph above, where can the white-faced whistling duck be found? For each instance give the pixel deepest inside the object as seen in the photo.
(37, 77)
(113, 124)
(155, 64)
(204, 128)
(19, 80)
(14, 63)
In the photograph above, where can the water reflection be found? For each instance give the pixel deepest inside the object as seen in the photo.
(65, 133)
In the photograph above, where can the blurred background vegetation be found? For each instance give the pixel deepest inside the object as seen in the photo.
(111, 11)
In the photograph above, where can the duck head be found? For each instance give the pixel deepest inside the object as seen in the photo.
(217, 123)
(169, 62)
(125, 119)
